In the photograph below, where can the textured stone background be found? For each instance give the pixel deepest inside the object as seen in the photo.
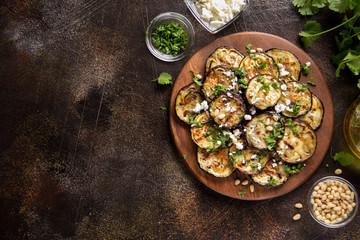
(86, 152)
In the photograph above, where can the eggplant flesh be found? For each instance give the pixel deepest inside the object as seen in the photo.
(219, 79)
(316, 114)
(215, 163)
(298, 144)
(289, 65)
(263, 91)
(273, 175)
(226, 56)
(257, 64)
(263, 130)
(227, 109)
(186, 101)
(295, 100)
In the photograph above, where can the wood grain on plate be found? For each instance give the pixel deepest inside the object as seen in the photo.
(181, 131)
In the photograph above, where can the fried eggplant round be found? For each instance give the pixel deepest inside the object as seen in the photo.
(259, 63)
(264, 131)
(295, 99)
(218, 80)
(289, 65)
(227, 109)
(273, 175)
(298, 143)
(263, 91)
(226, 56)
(187, 100)
(315, 116)
(216, 163)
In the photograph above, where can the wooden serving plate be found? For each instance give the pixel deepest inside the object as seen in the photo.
(181, 131)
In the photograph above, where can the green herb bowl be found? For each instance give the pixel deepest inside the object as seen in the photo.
(169, 17)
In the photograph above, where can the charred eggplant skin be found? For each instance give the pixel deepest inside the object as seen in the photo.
(186, 101)
(228, 109)
(226, 56)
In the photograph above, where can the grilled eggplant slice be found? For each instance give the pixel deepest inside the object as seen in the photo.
(298, 143)
(263, 91)
(264, 131)
(295, 101)
(259, 63)
(220, 79)
(315, 116)
(201, 129)
(248, 161)
(216, 163)
(187, 100)
(288, 63)
(273, 175)
(227, 109)
(227, 56)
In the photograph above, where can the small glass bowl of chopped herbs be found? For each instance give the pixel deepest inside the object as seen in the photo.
(333, 202)
(170, 36)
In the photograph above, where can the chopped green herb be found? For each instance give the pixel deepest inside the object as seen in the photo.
(195, 79)
(258, 79)
(254, 165)
(293, 169)
(273, 181)
(326, 165)
(303, 87)
(184, 156)
(218, 89)
(240, 72)
(248, 48)
(252, 56)
(276, 85)
(164, 78)
(256, 68)
(262, 64)
(270, 142)
(233, 160)
(295, 107)
(311, 82)
(170, 39)
(242, 193)
(305, 69)
(265, 87)
(163, 108)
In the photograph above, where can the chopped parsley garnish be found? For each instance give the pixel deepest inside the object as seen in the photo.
(184, 156)
(256, 68)
(164, 78)
(163, 108)
(170, 39)
(241, 73)
(303, 87)
(248, 48)
(242, 193)
(293, 169)
(218, 89)
(274, 135)
(305, 69)
(252, 56)
(254, 165)
(295, 107)
(258, 79)
(345, 159)
(193, 122)
(265, 87)
(311, 82)
(273, 181)
(262, 64)
(216, 136)
(270, 142)
(281, 61)
(195, 79)
(276, 85)
(233, 160)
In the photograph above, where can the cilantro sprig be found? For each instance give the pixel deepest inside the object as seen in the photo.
(344, 158)
(163, 79)
(293, 169)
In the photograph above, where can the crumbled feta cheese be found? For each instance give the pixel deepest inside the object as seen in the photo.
(283, 72)
(237, 133)
(308, 64)
(253, 157)
(274, 165)
(239, 145)
(247, 117)
(218, 142)
(287, 101)
(233, 109)
(280, 107)
(229, 94)
(279, 152)
(218, 12)
(252, 110)
(201, 106)
(289, 109)
(283, 87)
(251, 94)
(259, 166)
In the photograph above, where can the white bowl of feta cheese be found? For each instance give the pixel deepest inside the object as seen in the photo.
(215, 15)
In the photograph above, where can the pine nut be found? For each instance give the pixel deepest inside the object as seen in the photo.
(296, 217)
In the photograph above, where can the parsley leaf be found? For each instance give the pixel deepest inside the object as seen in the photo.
(293, 169)
(248, 48)
(164, 78)
(305, 69)
(242, 193)
(218, 89)
(312, 31)
(196, 79)
(345, 159)
(352, 61)
(262, 64)
(163, 108)
(309, 7)
(311, 82)
(184, 156)
(339, 6)
(303, 88)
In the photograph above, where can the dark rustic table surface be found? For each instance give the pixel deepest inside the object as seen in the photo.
(85, 150)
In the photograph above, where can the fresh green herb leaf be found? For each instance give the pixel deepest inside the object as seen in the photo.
(196, 79)
(273, 181)
(303, 87)
(305, 69)
(243, 83)
(252, 56)
(265, 87)
(248, 48)
(276, 85)
(352, 61)
(295, 107)
(309, 7)
(311, 82)
(242, 193)
(312, 31)
(293, 169)
(163, 108)
(326, 165)
(170, 39)
(270, 142)
(233, 160)
(184, 156)
(240, 72)
(218, 89)
(262, 64)
(345, 159)
(164, 78)
(254, 165)
(339, 6)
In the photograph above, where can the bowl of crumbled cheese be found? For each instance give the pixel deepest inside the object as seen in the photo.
(215, 15)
